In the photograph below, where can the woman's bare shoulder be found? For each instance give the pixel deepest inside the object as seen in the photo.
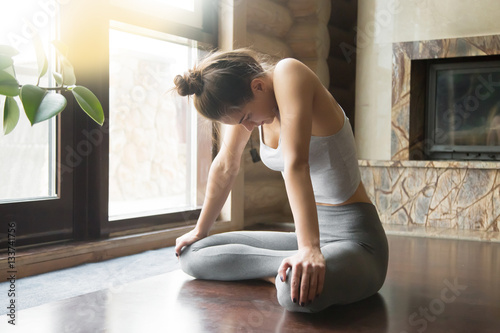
(292, 67)
(291, 77)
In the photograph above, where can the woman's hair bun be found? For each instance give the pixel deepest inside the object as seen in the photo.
(190, 83)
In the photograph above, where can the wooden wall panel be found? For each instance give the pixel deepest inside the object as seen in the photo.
(342, 54)
(319, 30)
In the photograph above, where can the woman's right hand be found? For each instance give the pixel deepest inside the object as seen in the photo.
(187, 239)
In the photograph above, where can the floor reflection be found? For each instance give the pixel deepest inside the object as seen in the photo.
(251, 306)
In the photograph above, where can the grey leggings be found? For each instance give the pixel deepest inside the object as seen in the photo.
(353, 243)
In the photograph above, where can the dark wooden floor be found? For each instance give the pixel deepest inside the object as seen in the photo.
(433, 285)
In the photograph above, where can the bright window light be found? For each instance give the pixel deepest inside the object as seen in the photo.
(153, 142)
(28, 165)
(186, 12)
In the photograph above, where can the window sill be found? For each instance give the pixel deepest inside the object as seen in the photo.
(33, 261)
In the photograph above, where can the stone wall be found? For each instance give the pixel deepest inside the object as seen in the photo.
(451, 195)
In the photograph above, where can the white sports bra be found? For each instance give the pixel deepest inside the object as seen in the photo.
(333, 164)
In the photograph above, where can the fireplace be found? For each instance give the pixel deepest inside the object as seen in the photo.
(445, 99)
(462, 114)
(412, 193)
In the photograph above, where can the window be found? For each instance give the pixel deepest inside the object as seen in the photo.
(153, 133)
(188, 12)
(146, 167)
(159, 148)
(28, 154)
(32, 193)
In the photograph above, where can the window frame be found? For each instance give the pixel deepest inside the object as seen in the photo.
(96, 220)
(45, 219)
(83, 193)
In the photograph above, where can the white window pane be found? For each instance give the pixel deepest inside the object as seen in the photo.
(152, 165)
(185, 4)
(187, 12)
(27, 166)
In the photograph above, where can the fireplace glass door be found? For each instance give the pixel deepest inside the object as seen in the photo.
(463, 114)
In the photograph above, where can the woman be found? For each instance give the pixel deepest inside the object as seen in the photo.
(338, 253)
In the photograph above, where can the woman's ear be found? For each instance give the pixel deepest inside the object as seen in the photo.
(257, 85)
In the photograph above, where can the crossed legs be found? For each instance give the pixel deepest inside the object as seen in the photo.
(353, 270)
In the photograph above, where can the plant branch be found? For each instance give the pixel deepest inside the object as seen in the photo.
(51, 89)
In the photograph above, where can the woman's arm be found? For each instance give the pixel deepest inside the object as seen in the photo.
(221, 176)
(294, 87)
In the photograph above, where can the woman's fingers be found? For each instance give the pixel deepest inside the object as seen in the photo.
(313, 287)
(321, 281)
(178, 246)
(186, 240)
(307, 276)
(181, 242)
(308, 283)
(305, 285)
(295, 283)
(282, 270)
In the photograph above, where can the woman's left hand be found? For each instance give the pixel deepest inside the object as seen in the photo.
(308, 274)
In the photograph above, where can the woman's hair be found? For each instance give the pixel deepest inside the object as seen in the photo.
(221, 81)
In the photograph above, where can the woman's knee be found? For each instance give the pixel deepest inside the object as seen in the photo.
(188, 262)
(283, 292)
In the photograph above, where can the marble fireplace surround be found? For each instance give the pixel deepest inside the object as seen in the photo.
(454, 199)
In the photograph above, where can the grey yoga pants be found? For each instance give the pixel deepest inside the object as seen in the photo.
(353, 243)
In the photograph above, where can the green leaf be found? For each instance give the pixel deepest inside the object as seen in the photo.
(40, 105)
(10, 115)
(32, 97)
(10, 70)
(68, 73)
(8, 84)
(58, 77)
(5, 61)
(52, 104)
(8, 51)
(41, 58)
(89, 103)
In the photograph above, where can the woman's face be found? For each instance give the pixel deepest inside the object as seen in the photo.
(262, 109)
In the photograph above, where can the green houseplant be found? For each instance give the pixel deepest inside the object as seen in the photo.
(42, 103)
